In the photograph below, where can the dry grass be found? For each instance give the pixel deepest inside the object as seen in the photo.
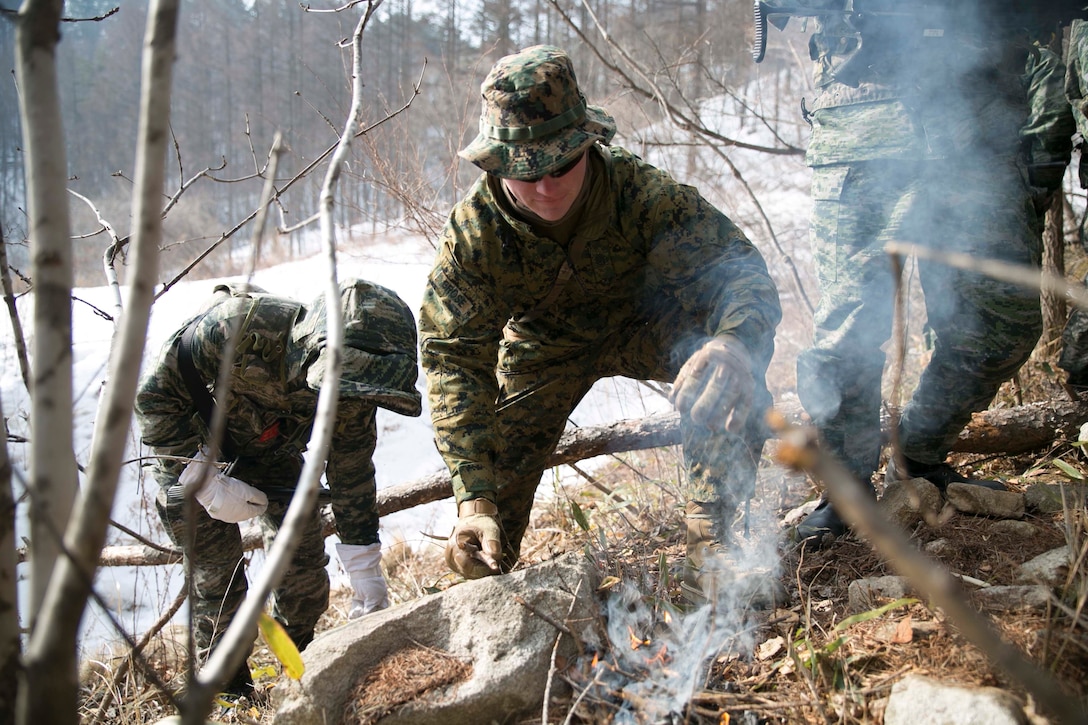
(796, 667)
(402, 677)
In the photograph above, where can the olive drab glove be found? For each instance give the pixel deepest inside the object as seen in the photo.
(475, 546)
(715, 385)
(224, 498)
(363, 564)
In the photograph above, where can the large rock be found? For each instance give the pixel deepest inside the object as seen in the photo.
(485, 654)
(916, 699)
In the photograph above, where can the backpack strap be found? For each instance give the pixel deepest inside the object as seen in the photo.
(198, 391)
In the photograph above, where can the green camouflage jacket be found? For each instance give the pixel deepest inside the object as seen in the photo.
(647, 236)
(910, 93)
(270, 413)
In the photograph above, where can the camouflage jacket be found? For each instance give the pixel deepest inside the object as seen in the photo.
(898, 91)
(647, 237)
(270, 412)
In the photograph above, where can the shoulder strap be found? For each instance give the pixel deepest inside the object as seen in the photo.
(198, 391)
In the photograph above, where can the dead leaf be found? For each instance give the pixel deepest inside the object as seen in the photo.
(904, 631)
(770, 648)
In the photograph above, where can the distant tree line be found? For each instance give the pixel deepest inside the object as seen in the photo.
(247, 68)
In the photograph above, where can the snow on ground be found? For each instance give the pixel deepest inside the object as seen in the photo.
(405, 452)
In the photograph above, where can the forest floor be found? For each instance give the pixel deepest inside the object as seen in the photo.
(804, 661)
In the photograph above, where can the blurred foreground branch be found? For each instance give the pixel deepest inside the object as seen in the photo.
(800, 450)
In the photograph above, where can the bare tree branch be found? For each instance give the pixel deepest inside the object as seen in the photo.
(13, 313)
(109, 256)
(50, 660)
(279, 192)
(1022, 275)
(232, 649)
(53, 466)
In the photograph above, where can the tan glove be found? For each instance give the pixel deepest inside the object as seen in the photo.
(715, 385)
(475, 546)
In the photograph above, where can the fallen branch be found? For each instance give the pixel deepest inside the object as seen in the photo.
(1000, 430)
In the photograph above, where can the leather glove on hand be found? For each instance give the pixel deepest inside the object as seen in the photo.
(715, 385)
(223, 497)
(363, 563)
(475, 546)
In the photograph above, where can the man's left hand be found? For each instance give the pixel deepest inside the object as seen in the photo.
(715, 385)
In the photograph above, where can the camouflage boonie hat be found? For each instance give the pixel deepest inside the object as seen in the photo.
(534, 118)
(380, 361)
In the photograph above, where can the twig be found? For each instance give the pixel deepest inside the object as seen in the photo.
(555, 653)
(13, 313)
(108, 256)
(122, 668)
(543, 615)
(1023, 275)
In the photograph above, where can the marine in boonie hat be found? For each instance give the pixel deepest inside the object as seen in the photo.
(534, 118)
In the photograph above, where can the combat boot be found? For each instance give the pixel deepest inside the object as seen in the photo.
(820, 527)
(940, 474)
(824, 525)
(241, 684)
(702, 547)
(707, 574)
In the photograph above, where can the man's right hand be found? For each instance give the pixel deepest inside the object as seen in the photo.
(475, 546)
(224, 498)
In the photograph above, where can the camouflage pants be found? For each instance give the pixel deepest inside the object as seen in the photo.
(540, 391)
(217, 567)
(1074, 355)
(984, 329)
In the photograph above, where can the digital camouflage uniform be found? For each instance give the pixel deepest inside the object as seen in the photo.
(660, 271)
(273, 396)
(1047, 137)
(933, 157)
(1074, 355)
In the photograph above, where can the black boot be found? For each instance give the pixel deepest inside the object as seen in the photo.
(241, 684)
(940, 474)
(820, 527)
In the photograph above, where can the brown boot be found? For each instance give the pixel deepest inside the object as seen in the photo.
(702, 565)
(708, 575)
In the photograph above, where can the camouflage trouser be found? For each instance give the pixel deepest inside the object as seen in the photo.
(984, 329)
(217, 567)
(721, 467)
(1074, 355)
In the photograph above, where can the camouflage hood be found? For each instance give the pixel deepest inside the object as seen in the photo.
(380, 361)
(534, 118)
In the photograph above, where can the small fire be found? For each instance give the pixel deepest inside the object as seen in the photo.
(662, 656)
(636, 641)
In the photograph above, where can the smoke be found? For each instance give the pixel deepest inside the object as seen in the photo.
(660, 654)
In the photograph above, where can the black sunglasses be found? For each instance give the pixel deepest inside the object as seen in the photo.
(560, 172)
